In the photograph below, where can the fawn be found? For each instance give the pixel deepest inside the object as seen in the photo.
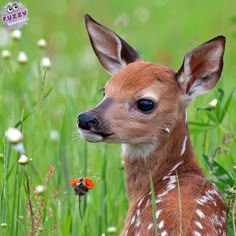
(144, 109)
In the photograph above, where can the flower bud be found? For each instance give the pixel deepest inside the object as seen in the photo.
(42, 43)
(13, 135)
(112, 229)
(22, 58)
(213, 103)
(39, 189)
(23, 160)
(3, 225)
(46, 63)
(6, 54)
(16, 34)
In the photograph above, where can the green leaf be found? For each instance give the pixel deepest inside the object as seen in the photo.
(226, 106)
(154, 209)
(212, 117)
(220, 175)
(34, 109)
(198, 127)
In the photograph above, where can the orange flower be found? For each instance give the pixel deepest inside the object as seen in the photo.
(89, 183)
(74, 181)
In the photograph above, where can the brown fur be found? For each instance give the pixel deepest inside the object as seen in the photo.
(157, 143)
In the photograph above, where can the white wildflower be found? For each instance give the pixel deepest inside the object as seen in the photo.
(213, 103)
(22, 57)
(42, 43)
(13, 135)
(6, 54)
(46, 63)
(23, 160)
(3, 225)
(16, 34)
(39, 189)
(112, 229)
(54, 135)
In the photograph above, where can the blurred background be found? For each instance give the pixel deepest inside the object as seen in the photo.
(45, 105)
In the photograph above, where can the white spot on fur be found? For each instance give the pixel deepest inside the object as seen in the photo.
(167, 130)
(197, 223)
(186, 117)
(158, 200)
(209, 196)
(158, 212)
(133, 220)
(162, 194)
(140, 202)
(172, 179)
(150, 226)
(161, 224)
(172, 170)
(147, 203)
(176, 166)
(184, 145)
(164, 233)
(137, 224)
(196, 233)
(200, 213)
(170, 187)
(215, 220)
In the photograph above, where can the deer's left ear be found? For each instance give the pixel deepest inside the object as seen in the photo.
(202, 67)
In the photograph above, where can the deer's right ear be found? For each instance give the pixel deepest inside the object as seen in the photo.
(112, 51)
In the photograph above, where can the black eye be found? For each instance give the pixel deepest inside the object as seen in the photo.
(145, 105)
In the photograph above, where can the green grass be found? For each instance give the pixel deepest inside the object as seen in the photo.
(162, 31)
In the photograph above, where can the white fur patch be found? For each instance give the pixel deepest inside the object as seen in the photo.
(164, 233)
(150, 226)
(158, 212)
(197, 223)
(184, 145)
(89, 136)
(200, 214)
(141, 151)
(196, 233)
(161, 224)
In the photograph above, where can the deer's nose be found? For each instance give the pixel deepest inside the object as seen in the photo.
(87, 120)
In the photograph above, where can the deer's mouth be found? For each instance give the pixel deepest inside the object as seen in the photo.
(93, 136)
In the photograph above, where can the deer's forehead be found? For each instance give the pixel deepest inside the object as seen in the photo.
(142, 76)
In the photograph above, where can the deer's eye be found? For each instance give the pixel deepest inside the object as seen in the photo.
(145, 105)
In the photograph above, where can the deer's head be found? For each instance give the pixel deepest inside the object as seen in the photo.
(143, 101)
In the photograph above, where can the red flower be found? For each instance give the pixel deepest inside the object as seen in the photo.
(74, 181)
(82, 185)
(89, 183)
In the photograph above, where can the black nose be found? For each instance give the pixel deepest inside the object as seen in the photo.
(87, 120)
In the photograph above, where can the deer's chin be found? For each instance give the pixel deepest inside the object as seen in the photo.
(91, 136)
(94, 137)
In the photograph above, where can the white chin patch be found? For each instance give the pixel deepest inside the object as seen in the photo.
(89, 136)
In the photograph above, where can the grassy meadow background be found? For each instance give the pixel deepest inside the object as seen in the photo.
(45, 107)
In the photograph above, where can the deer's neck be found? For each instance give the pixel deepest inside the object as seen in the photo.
(173, 154)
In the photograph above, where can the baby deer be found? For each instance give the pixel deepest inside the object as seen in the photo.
(144, 109)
